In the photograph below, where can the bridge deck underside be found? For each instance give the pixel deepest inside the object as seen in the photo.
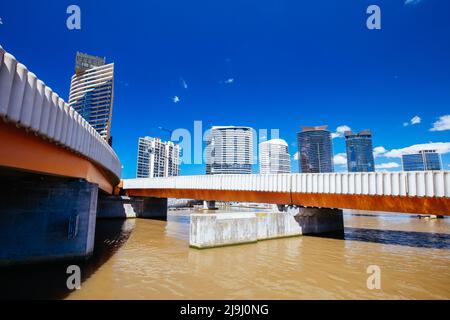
(420, 205)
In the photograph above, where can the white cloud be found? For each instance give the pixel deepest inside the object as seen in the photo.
(340, 131)
(411, 2)
(379, 151)
(413, 121)
(176, 99)
(416, 120)
(442, 124)
(340, 159)
(229, 81)
(296, 156)
(388, 165)
(183, 83)
(440, 147)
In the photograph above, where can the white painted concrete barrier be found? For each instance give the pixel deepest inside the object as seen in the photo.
(29, 103)
(222, 229)
(406, 184)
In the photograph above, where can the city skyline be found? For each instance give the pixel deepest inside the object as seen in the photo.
(220, 82)
(254, 151)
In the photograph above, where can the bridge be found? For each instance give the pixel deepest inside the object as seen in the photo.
(53, 166)
(315, 200)
(426, 192)
(56, 170)
(41, 133)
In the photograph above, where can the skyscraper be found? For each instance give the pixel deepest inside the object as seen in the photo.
(274, 157)
(315, 150)
(422, 161)
(157, 158)
(230, 150)
(92, 92)
(359, 151)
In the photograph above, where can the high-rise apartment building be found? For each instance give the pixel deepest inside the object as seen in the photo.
(92, 92)
(157, 158)
(359, 151)
(422, 161)
(315, 150)
(230, 150)
(274, 157)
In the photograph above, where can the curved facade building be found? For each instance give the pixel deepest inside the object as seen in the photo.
(274, 157)
(92, 92)
(315, 150)
(230, 150)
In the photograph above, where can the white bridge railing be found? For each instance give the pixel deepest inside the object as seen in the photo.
(28, 102)
(407, 184)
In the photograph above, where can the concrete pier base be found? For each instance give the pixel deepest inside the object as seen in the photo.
(209, 205)
(119, 207)
(123, 207)
(45, 218)
(222, 229)
(154, 208)
(320, 220)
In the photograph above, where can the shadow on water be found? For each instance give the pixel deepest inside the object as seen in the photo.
(48, 280)
(401, 238)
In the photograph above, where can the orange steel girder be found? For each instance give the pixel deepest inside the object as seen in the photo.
(420, 205)
(27, 151)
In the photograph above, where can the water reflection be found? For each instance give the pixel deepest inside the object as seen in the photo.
(401, 238)
(48, 280)
(147, 259)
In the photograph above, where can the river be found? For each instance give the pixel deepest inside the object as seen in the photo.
(150, 259)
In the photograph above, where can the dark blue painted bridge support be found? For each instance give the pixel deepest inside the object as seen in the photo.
(45, 218)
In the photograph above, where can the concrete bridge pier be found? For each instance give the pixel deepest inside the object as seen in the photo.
(124, 207)
(46, 218)
(209, 205)
(320, 220)
(154, 208)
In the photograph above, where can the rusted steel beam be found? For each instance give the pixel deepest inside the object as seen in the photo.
(26, 151)
(420, 205)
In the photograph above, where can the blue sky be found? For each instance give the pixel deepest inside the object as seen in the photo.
(292, 63)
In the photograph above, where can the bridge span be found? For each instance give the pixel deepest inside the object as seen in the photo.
(41, 133)
(52, 166)
(426, 192)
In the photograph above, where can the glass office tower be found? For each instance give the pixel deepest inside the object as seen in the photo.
(359, 151)
(92, 92)
(422, 161)
(315, 150)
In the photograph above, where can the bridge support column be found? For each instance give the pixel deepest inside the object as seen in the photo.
(209, 205)
(45, 218)
(123, 207)
(320, 220)
(154, 208)
(119, 207)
